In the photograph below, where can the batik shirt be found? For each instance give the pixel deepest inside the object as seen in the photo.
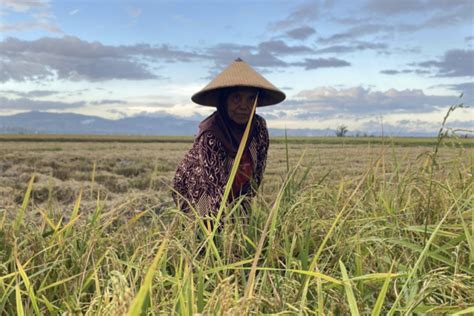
(202, 175)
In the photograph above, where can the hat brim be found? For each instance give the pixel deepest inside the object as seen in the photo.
(210, 97)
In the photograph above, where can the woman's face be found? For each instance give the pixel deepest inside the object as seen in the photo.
(240, 104)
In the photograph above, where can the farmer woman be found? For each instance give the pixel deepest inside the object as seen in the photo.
(201, 177)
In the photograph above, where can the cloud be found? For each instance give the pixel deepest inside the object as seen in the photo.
(37, 12)
(392, 72)
(29, 104)
(31, 94)
(469, 38)
(395, 7)
(362, 101)
(75, 59)
(117, 113)
(400, 127)
(263, 55)
(278, 47)
(404, 71)
(30, 25)
(404, 112)
(222, 53)
(390, 7)
(412, 127)
(438, 13)
(454, 63)
(464, 125)
(463, 14)
(315, 63)
(387, 17)
(353, 47)
(301, 33)
(466, 88)
(307, 12)
(357, 31)
(108, 101)
(25, 5)
(20, 70)
(74, 12)
(270, 54)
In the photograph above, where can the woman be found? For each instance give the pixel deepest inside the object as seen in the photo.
(201, 177)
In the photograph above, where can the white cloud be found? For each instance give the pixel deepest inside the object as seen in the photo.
(36, 14)
(72, 58)
(29, 25)
(403, 112)
(306, 12)
(359, 100)
(35, 105)
(25, 5)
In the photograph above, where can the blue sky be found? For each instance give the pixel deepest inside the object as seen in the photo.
(355, 63)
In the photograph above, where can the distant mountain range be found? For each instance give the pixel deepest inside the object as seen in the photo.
(36, 122)
(69, 123)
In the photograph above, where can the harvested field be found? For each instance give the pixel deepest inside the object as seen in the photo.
(396, 218)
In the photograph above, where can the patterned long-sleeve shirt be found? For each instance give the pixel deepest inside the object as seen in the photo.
(202, 175)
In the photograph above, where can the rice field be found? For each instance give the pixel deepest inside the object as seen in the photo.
(340, 227)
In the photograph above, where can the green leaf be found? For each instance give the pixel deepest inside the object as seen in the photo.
(381, 297)
(21, 212)
(142, 299)
(349, 292)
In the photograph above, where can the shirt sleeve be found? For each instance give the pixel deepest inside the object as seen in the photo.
(213, 174)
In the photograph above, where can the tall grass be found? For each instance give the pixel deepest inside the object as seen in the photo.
(346, 246)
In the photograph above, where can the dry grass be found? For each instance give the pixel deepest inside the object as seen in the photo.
(358, 228)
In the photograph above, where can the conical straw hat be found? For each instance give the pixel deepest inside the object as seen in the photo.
(239, 74)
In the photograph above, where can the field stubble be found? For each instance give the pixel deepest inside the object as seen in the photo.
(360, 229)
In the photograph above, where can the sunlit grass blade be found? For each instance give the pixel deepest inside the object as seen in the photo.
(29, 288)
(139, 304)
(51, 308)
(381, 297)
(57, 283)
(19, 305)
(467, 311)
(469, 236)
(74, 216)
(320, 300)
(21, 212)
(348, 288)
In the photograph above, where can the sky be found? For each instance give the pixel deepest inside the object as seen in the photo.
(368, 65)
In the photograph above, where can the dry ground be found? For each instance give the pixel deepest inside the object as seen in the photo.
(141, 172)
(398, 220)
